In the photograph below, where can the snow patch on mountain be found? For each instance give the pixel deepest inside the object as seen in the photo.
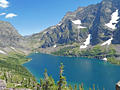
(114, 20)
(81, 27)
(108, 42)
(105, 59)
(59, 24)
(78, 22)
(55, 46)
(86, 43)
(13, 48)
(2, 52)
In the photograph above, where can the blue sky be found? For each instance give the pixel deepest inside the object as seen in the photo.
(32, 16)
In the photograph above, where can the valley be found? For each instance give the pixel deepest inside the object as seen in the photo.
(89, 32)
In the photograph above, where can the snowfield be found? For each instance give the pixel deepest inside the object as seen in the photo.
(13, 48)
(81, 27)
(78, 22)
(105, 59)
(55, 46)
(108, 42)
(2, 52)
(113, 21)
(86, 43)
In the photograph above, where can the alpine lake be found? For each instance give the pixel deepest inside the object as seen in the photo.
(77, 70)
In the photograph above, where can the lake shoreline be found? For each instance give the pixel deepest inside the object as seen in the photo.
(79, 57)
(40, 61)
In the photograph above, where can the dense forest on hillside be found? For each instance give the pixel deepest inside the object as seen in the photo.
(14, 74)
(95, 52)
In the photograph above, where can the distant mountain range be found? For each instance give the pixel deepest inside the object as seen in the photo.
(84, 29)
(11, 40)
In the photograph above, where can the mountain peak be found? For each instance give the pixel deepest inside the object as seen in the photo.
(97, 20)
(115, 3)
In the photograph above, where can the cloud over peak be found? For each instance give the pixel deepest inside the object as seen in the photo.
(4, 3)
(1, 14)
(10, 15)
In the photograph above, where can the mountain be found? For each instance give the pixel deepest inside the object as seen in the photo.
(91, 31)
(11, 40)
(13, 51)
(97, 20)
(86, 28)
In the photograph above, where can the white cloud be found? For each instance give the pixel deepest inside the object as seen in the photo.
(1, 14)
(10, 15)
(4, 3)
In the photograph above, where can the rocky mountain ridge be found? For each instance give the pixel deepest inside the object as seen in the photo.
(84, 28)
(11, 40)
(97, 20)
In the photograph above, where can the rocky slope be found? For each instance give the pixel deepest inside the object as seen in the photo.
(86, 27)
(96, 20)
(81, 30)
(11, 40)
(13, 48)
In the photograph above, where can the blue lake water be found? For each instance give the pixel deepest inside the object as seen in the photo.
(76, 69)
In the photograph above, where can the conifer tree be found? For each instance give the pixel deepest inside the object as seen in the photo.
(80, 88)
(90, 89)
(46, 78)
(38, 86)
(70, 87)
(5, 77)
(62, 79)
(93, 86)
(75, 88)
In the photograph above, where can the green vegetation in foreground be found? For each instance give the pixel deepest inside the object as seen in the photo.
(17, 76)
(12, 71)
(48, 83)
(15, 58)
(95, 52)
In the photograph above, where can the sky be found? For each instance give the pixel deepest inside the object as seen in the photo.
(33, 16)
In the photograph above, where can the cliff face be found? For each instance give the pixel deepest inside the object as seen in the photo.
(8, 35)
(100, 20)
(10, 39)
(87, 26)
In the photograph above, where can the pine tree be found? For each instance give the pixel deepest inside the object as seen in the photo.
(41, 82)
(75, 88)
(5, 77)
(62, 80)
(80, 88)
(70, 87)
(46, 78)
(93, 86)
(38, 86)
